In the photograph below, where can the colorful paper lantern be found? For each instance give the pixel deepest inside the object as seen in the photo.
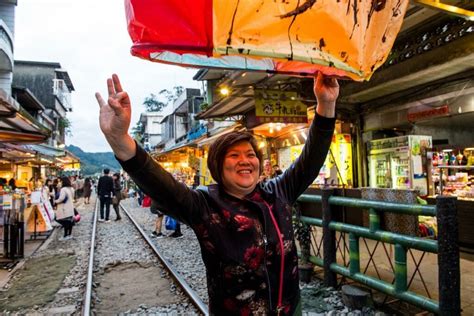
(345, 38)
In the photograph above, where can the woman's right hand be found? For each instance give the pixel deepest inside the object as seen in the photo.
(115, 116)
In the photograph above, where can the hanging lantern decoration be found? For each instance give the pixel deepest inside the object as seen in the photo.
(343, 38)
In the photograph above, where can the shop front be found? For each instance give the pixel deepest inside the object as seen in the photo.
(280, 122)
(438, 163)
(181, 161)
(66, 163)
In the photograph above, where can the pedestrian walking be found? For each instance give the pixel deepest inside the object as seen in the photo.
(65, 208)
(159, 220)
(117, 195)
(80, 186)
(87, 190)
(244, 226)
(105, 190)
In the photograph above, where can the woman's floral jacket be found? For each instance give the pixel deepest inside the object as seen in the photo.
(247, 245)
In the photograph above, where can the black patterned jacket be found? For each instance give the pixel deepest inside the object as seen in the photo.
(242, 241)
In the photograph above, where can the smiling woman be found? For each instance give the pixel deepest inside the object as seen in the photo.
(244, 225)
(240, 170)
(237, 163)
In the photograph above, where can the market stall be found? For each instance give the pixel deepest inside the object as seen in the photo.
(281, 136)
(12, 208)
(451, 172)
(180, 162)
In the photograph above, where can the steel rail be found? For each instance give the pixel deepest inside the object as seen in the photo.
(195, 299)
(88, 295)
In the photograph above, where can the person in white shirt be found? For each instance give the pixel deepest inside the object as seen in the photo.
(65, 207)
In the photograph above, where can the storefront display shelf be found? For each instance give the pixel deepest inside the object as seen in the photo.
(458, 184)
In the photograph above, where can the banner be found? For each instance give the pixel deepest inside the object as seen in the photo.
(344, 38)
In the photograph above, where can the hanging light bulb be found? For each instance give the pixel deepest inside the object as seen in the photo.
(224, 91)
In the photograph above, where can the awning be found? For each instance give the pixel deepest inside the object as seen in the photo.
(340, 38)
(8, 105)
(176, 147)
(47, 150)
(15, 153)
(19, 126)
(218, 133)
(68, 162)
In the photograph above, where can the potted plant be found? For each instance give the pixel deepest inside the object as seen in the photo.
(303, 235)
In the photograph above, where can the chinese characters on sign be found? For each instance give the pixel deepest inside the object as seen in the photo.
(425, 112)
(279, 106)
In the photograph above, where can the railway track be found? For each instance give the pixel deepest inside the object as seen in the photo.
(127, 273)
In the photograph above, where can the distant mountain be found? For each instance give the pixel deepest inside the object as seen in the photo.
(92, 163)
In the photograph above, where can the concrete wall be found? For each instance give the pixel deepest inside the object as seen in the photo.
(7, 14)
(462, 137)
(6, 81)
(38, 79)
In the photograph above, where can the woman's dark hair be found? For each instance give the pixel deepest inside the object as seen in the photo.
(65, 182)
(218, 150)
(12, 183)
(87, 180)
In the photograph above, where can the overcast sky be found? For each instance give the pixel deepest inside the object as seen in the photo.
(89, 39)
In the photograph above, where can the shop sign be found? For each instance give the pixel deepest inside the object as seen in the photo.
(424, 112)
(279, 106)
(162, 158)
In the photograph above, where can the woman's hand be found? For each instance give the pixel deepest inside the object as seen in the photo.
(115, 116)
(326, 90)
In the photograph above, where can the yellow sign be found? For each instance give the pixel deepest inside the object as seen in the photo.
(341, 157)
(279, 106)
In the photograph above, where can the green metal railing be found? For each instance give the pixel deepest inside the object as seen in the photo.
(446, 247)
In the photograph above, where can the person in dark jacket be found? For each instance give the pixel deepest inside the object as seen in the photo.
(117, 195)
(105, 191)
(244, 226)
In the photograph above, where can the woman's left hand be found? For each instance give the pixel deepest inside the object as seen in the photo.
(326, 90)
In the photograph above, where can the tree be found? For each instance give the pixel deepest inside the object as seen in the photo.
(173, 95)
(152, 104)
(65, 126)
(137, 132)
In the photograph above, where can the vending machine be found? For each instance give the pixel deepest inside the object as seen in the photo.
(397, 163)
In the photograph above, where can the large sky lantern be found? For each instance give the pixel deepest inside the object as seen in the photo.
(344, 38)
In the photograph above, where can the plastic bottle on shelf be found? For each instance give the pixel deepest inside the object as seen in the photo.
(452, 159)
(446, 159)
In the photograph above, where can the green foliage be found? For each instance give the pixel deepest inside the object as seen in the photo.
(137, 132)
(92, 163)
(171, 96)
(303, 235)
(65, 125)
(152, 104)
(204, 106)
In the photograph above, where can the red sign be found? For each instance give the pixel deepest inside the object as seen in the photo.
(427, 113)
